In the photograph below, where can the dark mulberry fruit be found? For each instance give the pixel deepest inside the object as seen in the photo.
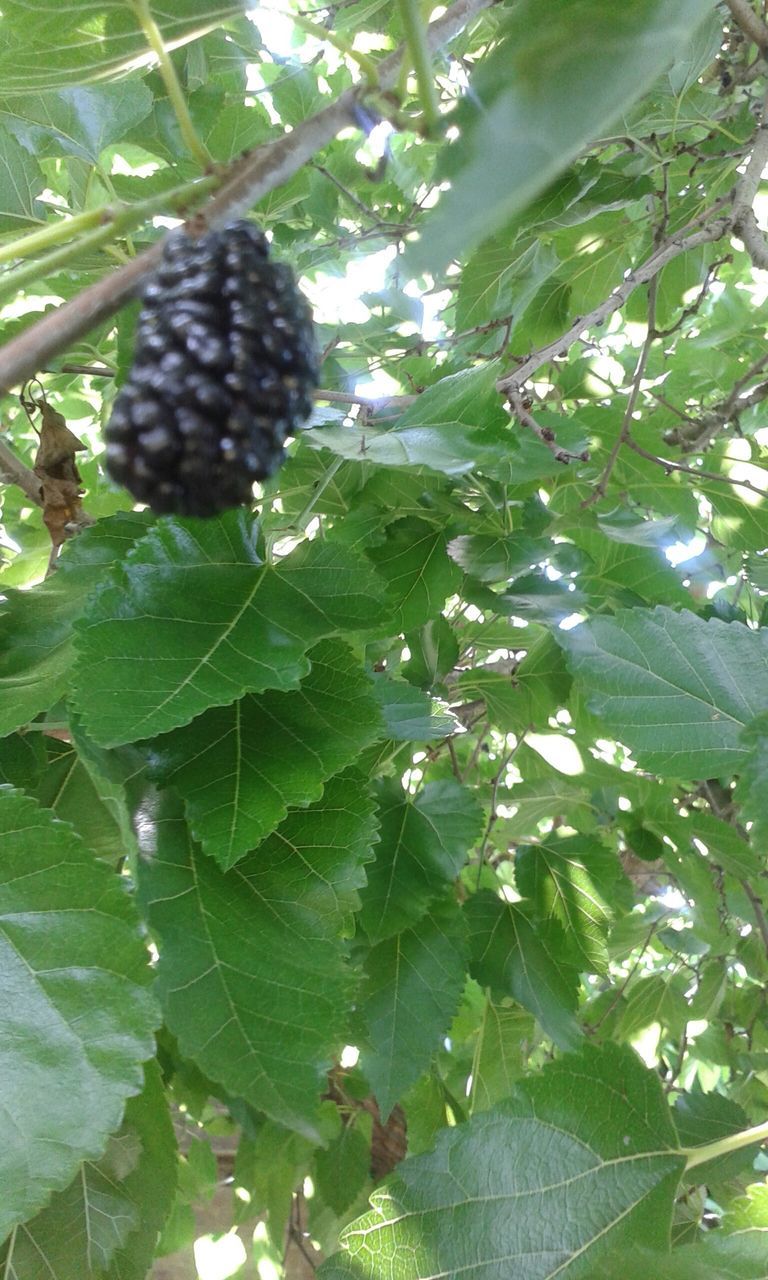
(224, 369)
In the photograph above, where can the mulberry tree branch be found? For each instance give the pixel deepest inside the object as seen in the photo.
(259, 173)
(14, 471)
(666, 252)
(745, 17)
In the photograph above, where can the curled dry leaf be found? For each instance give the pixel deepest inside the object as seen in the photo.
(60, 485)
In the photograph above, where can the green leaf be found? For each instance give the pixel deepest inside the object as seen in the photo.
(76, 122)
(434, 652)
(45, 45)
(240, 768)
(583, 1160)
(409, 714)
(676, 689)
(342, 1169)
(270, 1165)
(22, 759)
(21, 182)
(452, 427)
(499, 1057)
(725, 845)
(539, 598)
(514, 957)
(68, 789)
(76, 1019)
(194, 618)
(752, 786)
(498, 559)
(295, 94)
(151, 1183)
(556, 876)
(414, 563)
(107, 1220)
(78, 1233)
(701, 1118)
(412, 988)
(654, 999)
(423, 844)
(36, 626)
(559, 76)
(499, 280)
(252, 971)
(536, 802)
(740, 1257)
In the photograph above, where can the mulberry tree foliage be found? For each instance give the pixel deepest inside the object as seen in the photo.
(389, 848)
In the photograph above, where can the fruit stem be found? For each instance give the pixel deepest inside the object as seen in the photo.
(723, 1146)
(195, 144)
(418, 48)
(112, 222)
(366, 64)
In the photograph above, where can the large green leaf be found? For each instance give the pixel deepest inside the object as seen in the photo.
(676, 689)
(44, 44)
(194, 618)
(514, 957)
(36, 626)
(423, 844)
(239, 768)
(107, 1220)
(412, 988)
(558, 77)
(580, 1160)
(76, 1018)
(252, 971)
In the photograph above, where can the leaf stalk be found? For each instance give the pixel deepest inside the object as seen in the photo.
(193, 142)
(724, 1146)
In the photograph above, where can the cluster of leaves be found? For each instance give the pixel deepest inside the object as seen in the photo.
(453, 752)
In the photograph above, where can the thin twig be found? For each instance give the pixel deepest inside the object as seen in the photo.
(360, 204)
(264, 169)
(545, 434)
(668, 465)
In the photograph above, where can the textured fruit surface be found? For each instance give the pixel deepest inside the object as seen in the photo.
(224, 368)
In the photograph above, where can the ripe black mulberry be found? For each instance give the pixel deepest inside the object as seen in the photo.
(224, 368)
